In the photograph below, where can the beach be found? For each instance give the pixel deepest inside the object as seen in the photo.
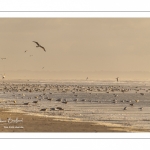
(46, 106)
(34, 123)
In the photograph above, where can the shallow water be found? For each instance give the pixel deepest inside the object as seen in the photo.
(101, 101)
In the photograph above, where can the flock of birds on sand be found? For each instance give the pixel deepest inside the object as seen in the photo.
(33, 94)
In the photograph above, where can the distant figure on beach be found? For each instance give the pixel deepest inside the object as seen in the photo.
(117, 79)
(87, 78)
(38, 45)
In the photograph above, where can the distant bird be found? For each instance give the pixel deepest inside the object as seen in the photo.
(117, 79)
(115, 95)
(26, 103)
(3, 76)
(125, 108)
(35, 102)
(75, 100)
(43, 109)
(54, 109)
(131, 104)
(141, 108)
(65, 102)
(142, 93)
(59, 108)
(49, 99)
(59, 100)
(25, 51)
(3, 58)
(38, 45)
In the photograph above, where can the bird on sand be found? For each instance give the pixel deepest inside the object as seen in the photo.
(25, 51)
(117, 79)
(38, 45)
(131, 104)
(137, 101)
(141, 108)
(125, 108)
(43, 109)
(3, 76)
(35, 102)
(26, 103)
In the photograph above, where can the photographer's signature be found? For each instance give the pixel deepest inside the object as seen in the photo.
(9, 120)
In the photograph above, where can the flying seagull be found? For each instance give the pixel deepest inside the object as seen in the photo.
(117, 79)
(38, 45)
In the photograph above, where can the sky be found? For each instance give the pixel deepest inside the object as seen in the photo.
(75, 44)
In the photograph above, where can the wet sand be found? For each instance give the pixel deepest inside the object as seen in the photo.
(33, 123)
(75, 106)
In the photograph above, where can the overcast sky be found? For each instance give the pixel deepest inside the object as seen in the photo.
(75, 44)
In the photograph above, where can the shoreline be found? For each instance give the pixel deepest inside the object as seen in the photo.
(75, 108)
(32, 122)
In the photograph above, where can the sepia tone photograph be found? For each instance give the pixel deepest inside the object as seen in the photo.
(74, 75)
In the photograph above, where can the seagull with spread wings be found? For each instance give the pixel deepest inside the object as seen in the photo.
(38, 45)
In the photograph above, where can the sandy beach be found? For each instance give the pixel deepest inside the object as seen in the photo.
(34, 123)
(74, 107)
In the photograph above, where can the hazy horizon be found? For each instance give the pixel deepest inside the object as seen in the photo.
(78, 75)
(76, 44)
